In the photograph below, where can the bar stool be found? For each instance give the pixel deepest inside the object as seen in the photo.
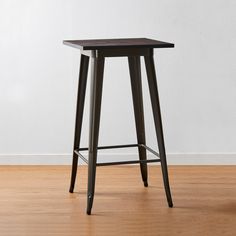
(97, 51)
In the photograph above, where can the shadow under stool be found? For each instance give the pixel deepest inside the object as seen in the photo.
(97, 51)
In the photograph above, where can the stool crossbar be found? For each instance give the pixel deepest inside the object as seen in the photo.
(78, 152)
(97, 51)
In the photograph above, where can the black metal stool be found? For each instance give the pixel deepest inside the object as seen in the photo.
(97, 50)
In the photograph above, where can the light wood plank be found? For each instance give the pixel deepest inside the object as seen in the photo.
(34, 200)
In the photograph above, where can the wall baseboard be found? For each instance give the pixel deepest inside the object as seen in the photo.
(172, 158)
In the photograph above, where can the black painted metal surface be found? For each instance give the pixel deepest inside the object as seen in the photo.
(97, 50)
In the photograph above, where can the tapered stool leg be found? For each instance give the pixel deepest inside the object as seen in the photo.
(95, 109)
(84, 61)
(151, 74)
(136, 85)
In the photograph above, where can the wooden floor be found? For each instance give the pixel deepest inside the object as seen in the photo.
(34, 200)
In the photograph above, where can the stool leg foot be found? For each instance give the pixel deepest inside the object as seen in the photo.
(91, 186)
(97, 69)
(79, 115)
(136, 85)
(90, 203)
(88, 211)
(151, 74)
(73, 172)
(145, 184)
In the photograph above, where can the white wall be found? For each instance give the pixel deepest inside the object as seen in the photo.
(39, 75)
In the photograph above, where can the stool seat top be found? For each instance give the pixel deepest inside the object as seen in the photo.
(97, 44)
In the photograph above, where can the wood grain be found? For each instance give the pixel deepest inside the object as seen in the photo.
(34, 200)
(98, 44)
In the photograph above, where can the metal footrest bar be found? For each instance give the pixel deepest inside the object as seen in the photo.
(120, 162)
(81, 156)
(127, 162)
(111, 147)
(149, 149)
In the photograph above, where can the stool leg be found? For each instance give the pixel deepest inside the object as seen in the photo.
(95, 109)
(136, 85)
(151, 74)
(84, 61)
